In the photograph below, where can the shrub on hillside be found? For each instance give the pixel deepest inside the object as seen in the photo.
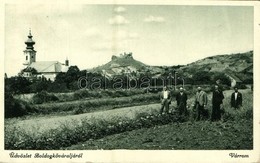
(15, 107)
(43, 97)
(241, 86)
(222, 78)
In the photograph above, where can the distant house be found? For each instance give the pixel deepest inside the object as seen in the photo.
(247, 75)
(47, 69)
(235, 80)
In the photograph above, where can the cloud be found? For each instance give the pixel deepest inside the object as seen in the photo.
(118, 20)
(119, 9)
(155, 19)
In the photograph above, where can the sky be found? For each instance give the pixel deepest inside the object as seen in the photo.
(88, 35)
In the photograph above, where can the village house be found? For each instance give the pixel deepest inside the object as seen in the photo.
(235, 80)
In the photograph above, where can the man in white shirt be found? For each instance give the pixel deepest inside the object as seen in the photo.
(236, 99)
(165, 97)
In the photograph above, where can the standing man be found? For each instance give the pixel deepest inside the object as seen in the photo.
(201, 100)
(165, 97)
(181, 99)
(236, 99)
(217, 101)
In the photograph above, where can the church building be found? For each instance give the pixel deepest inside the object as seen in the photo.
(47, 69)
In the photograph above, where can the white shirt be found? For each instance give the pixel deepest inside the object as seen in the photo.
(165, 94)
(236, 95)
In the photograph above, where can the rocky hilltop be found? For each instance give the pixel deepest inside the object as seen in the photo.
(126, 64)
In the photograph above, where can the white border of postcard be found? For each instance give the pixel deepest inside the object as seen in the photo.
(145, 155)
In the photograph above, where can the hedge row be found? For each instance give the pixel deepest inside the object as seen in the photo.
(83, 106)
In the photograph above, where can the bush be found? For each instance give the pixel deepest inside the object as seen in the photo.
(241, 86)
(43, 97)
(15, 107)
(78, 110)
(81, 94)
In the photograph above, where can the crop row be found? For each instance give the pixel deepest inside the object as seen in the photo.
(69, 134)
(83, 106)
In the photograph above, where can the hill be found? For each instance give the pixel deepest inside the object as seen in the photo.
(240, 64)
(125, 63)
(235, 62)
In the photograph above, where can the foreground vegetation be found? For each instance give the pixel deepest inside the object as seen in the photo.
(69, 134)
(79, 102)
(234, 131)
(229, 135)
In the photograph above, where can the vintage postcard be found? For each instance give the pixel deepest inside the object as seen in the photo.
(121, 81)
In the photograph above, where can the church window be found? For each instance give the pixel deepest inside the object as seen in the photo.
(26, 58)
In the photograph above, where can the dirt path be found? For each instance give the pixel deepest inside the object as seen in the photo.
(42, 124)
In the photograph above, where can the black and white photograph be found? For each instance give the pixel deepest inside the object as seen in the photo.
(111, 77)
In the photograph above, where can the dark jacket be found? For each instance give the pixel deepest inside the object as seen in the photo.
(238, 102)
(181, 98)
(217, 97)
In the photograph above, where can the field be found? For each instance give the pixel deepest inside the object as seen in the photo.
(179, 136)
(134, 127)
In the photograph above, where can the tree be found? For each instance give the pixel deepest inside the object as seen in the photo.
(221, 78)
(31, 70)
(17, 85)
(41, 85)
(202, 77)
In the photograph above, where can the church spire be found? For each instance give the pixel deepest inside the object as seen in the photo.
(29, 42)
(29, 52)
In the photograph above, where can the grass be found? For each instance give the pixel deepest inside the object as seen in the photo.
(90, 105)
(85, 105)
(62, 132)
(179, 136)
(234, 131)
(44, 97)
(73, 132)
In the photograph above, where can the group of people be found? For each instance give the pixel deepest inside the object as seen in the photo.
(200, 103)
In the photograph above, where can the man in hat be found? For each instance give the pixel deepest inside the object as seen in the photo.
(236, 99)
(166, 98)
(217, 100)
(201, 100)
(181, 99)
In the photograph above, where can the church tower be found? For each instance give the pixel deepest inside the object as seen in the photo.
(29, 52)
